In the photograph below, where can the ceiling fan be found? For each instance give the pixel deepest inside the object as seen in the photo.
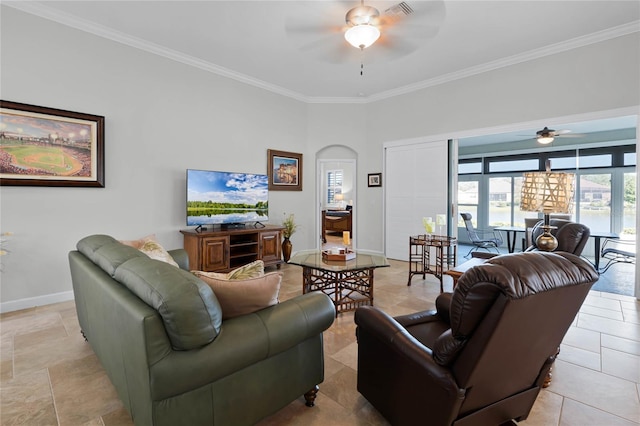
(330, 30)
(547, 135)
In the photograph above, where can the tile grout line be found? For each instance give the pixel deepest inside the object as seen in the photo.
(53, 398)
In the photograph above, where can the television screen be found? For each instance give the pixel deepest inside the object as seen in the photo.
(226, 198)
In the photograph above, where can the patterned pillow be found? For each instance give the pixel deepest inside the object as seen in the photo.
(241, 297)
(152, 248)
(250, 270)
(139, 242)
(156, 251)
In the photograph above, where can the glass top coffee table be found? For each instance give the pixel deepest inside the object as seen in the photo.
(349, 283)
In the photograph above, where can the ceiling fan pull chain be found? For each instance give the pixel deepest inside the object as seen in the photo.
(361, 61)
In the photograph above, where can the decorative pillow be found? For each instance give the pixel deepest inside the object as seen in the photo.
(139, 242)
(241, 297)
(152, 248)
(156, 251)
(250, 270)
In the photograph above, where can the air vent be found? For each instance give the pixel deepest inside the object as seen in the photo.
(400, 10)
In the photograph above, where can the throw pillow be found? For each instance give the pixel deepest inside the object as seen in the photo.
(241, 297)
(139, 242)
(152, 248)
(250, 270)
(157, 252)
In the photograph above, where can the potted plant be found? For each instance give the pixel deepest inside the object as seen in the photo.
(290, 227)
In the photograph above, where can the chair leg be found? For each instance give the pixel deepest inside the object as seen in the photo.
(472, 249)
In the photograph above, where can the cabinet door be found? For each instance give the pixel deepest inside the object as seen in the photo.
(215, 253)
(270, 247)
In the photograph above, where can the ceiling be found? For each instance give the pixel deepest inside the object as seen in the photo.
(297, 48)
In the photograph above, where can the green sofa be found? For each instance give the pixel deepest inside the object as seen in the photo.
(158, 332)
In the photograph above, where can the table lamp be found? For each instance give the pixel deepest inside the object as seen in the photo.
(339, 198)
(547, 192)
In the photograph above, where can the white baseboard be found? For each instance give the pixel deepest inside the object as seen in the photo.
(32, 302)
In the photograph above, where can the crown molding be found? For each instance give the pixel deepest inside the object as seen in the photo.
(49, 13)
(531, 55)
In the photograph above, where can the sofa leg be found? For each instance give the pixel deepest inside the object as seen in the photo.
(310, 397)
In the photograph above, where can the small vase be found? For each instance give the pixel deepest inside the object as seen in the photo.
(286, 249)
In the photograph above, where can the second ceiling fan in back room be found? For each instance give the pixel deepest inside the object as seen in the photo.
(398, 30)
(547, 135)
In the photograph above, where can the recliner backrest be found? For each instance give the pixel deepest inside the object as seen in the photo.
(572, 237)
(507, 317)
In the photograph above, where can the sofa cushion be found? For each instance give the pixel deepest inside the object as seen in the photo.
(189, 309)
(107, 252)
(241, 297)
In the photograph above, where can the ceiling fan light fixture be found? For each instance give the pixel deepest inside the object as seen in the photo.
(545, 139)
(362, 36)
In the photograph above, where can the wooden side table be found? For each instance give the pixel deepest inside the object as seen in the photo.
(446, 252)
(457, 271)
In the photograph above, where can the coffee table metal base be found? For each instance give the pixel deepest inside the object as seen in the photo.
(347, 289)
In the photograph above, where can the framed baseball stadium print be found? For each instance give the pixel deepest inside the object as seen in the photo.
(42, 146)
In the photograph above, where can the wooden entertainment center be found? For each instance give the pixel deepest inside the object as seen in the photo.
(219, 249)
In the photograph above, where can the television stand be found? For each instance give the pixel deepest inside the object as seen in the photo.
(218, 249)
(226, 226)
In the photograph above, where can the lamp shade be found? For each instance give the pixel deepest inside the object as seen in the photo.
(547, 192)
(362, 36)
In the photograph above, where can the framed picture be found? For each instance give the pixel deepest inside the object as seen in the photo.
(284, 170)
(375, 179)
(50, 147)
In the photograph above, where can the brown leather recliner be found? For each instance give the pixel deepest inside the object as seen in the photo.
(571, 236)
(482, 356)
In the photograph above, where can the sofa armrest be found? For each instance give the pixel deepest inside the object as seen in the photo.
(181, 258)
(242, 342)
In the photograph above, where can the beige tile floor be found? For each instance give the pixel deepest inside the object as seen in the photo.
(50, 376)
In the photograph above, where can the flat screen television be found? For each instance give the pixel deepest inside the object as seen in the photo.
(225, 198)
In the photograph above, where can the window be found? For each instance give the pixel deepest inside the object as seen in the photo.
(594, 200)
(468, 195)
(504, 201)
(513, 165)
(334, 185)
(605, 187)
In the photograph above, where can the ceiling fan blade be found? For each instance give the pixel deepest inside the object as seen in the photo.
(569, 135)
(387, 47)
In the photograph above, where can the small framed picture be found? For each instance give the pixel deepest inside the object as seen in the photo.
(375, 179)
(284, 170)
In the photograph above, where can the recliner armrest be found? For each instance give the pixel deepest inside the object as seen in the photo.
(385, 328)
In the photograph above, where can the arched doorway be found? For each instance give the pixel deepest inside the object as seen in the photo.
(336, 167)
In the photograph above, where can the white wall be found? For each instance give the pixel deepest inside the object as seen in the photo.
(599, 77)
(163, 117)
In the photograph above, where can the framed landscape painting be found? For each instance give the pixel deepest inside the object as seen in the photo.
(284, 170)
(50, 147)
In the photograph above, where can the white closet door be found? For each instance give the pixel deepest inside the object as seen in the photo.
(416, 187)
